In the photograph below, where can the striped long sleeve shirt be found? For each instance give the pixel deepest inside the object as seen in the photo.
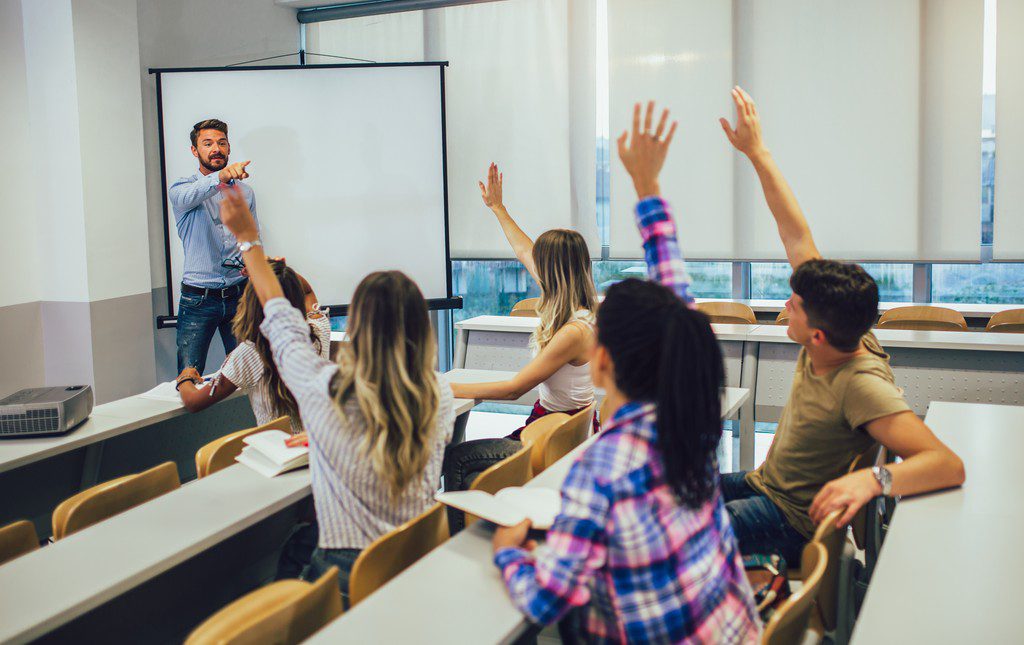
(353, 504)
(647, 568)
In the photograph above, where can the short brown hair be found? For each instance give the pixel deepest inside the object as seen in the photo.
(207, 124)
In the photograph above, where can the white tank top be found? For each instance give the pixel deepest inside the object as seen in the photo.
(570, 388)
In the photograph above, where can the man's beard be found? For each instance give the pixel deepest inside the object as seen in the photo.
(209, 164)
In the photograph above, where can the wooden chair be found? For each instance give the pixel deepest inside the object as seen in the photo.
(1011, 321)
(17, 538)
(605, 413)
(923, 317)
(283, 612)
(511, 471)
(526, 308)
(569, 435)
(789, 624)
(110, 498)
(782, 318)
(537, 434)
(396, 551)
(728, 312)
(220, 453)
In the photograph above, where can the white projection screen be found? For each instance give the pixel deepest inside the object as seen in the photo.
(348, 166)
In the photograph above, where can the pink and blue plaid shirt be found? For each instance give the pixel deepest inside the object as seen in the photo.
(647, 568)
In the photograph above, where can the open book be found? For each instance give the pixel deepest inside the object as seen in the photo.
(168, 392)
(267, 454)
(509, 506)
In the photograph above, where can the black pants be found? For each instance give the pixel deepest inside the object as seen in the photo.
(464, 462)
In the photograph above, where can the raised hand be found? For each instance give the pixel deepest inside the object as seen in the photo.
(491, 193)
(746, 137)
(643, 153)
(236, 216)
(234, 171)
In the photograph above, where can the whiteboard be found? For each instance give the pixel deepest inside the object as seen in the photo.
(348, 167)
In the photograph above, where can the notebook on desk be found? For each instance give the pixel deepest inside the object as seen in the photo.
(267, 453)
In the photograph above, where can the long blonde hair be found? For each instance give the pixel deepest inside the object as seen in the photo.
(566, 283)
(389, 369)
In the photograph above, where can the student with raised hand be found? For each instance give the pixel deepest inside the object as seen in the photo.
(249, 366)
(378, 420)
(844, 397)
(560, 263)
(642, 550)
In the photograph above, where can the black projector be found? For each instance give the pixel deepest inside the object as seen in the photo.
(44, 411)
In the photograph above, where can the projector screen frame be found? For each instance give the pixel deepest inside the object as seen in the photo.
(433, 304)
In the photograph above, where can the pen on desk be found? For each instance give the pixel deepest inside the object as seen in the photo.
(213, 388)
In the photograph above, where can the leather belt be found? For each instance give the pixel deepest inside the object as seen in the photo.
(226, 292)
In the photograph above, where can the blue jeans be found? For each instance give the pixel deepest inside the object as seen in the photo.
(759, 524)
(198, 318)
(324, 559)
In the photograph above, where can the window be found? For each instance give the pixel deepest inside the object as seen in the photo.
(709, 279)
(770, 280)
(490, 287)
(990, 282)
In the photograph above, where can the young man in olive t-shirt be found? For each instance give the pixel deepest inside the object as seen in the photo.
(844, 398)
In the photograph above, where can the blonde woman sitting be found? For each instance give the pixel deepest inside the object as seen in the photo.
(559, 261)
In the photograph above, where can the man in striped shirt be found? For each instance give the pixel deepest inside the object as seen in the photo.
(211, 280)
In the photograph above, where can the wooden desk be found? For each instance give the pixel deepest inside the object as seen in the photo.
(455, 591)
(949, 570)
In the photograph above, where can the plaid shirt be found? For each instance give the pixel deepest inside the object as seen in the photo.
(647, 568)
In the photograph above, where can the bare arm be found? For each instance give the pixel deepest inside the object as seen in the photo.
(928, 465)
(569, 344)
(793, 229)
(520, 242)
(197, 399)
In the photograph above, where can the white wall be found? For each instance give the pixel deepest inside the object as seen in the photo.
(18, 241)
(199, 33)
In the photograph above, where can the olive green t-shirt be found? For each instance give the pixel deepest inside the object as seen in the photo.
(821, 430)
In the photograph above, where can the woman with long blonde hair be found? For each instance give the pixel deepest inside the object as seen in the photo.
(559, 262)
(377, 421)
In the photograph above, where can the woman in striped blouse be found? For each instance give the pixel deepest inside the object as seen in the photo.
(377, 421)
(642, 550)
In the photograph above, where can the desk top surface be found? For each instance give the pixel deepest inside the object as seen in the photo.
(54, 585)
(948, 571)
(106, 421)
(49, 587)
(966, 340)
(969, 310)
(472, 600)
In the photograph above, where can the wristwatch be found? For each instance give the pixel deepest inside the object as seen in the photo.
(247, 246)
(884, 477)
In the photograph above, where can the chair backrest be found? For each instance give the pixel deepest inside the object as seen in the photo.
(17, 538)
(923, 317)
(873, 456)
(1011, 321)
(728, 312)
(569, 435)
(110, 498)
(283, 612)
(605, 412)
(220, 453)
(394, 552)
(511, 471)
(537, 434)
(526, 307)
(832, 539)
(789, 623)
(782, 318)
